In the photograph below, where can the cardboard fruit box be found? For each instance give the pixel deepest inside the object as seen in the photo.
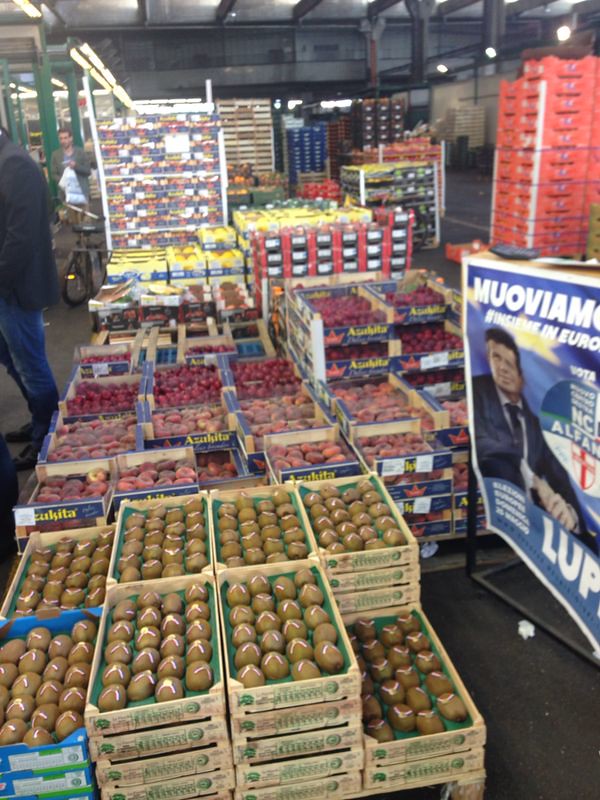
(415, 453)
(38, 541)
(181, 484)
(150, 713)
(99, 384)
(466, 737)
(129, 507)
(81, 440)
(218, 497)
(88, 508)
(99, 360)
(285, 693)
(276, 446)
(71, 752)
(340, 564)
(217, 415)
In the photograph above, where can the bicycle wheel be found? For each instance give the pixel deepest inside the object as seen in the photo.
(98, 271)
(75, 285)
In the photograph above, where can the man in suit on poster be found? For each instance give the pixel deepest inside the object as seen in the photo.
(509, 440)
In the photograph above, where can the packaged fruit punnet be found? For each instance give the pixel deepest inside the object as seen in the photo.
(406, 670)
(285, 645)
(161, 539)
(158, 659)
(45, 670)
(263, 525)
(61, 571)
(194, 761)
(155, 474)
(365, 514)
(309, 455)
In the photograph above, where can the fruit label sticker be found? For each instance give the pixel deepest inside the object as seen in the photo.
(531, 355)
(24, 517)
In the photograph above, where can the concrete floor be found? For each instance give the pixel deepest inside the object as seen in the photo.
(540, 702)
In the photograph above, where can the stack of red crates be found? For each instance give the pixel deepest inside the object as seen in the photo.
(547, 169)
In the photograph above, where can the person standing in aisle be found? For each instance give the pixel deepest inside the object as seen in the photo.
(28, 284)
(75, 158)
(8, 499)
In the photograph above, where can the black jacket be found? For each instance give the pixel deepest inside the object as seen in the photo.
(497, 453)
(28, 274)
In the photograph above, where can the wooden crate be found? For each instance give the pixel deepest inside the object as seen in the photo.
(287, 694)
(255, 751)
(328, 788)
(130, 506)
(294, 720)
(35, 541)
(158, 741)
(338, 564)
(294, 771)
(257, 493)
(217, 784)
(210, 703)
(421, 748)
(159, 768)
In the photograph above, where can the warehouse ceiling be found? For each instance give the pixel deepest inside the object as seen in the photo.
(90, 14)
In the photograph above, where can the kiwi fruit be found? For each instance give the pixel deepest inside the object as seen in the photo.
(67, 723)
(426, 661)
(399, 656)
(305, 670)
(274, 666)
(112, 697)
(417, 641)
(141, 686)
(251, 676)
(379, 730)
(325, 632)
(328, 657)
(365, 630)
(298, 650)
(451, 707)
(373, 650)
(249, 653)
(116, 673)
(171, 667)
(438, 684)
(13, 731)
(407, 676)
(198, 676)
(392, 692)
(168, 689)
(401, 718)
(418, 699)
(428, 722)
(371, 708)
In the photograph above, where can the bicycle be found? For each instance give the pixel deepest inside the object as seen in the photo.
(86, 268)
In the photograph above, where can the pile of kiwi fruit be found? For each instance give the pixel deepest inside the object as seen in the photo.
(158, 647)
(278, 630)
(347, 520)
(70, 574)
(43, 684)
(163, 541)
(254, 530)
(405, 691)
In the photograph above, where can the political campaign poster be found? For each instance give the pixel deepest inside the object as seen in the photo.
(532, 359)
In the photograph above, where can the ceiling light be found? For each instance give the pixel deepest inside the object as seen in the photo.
(293, 103)
(233, 13)
(563, 33)
(79, 59)
(122, 96)
(28, 8)
(99, 78)
(57, 82)
(442, 68)
(13, 85)
(490, 52)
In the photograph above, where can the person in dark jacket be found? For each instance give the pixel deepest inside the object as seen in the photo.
(509, 441)
(9, 494)
(28, 284)
(74, 157)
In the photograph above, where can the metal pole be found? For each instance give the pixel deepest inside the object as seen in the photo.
(43, 83)
(99, 162)
(10, 111)
(76, 126)
(23, 138)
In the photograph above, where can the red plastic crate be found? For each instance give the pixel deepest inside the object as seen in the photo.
(552, 67)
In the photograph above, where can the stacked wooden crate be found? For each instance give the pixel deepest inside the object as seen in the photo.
(248, 130)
